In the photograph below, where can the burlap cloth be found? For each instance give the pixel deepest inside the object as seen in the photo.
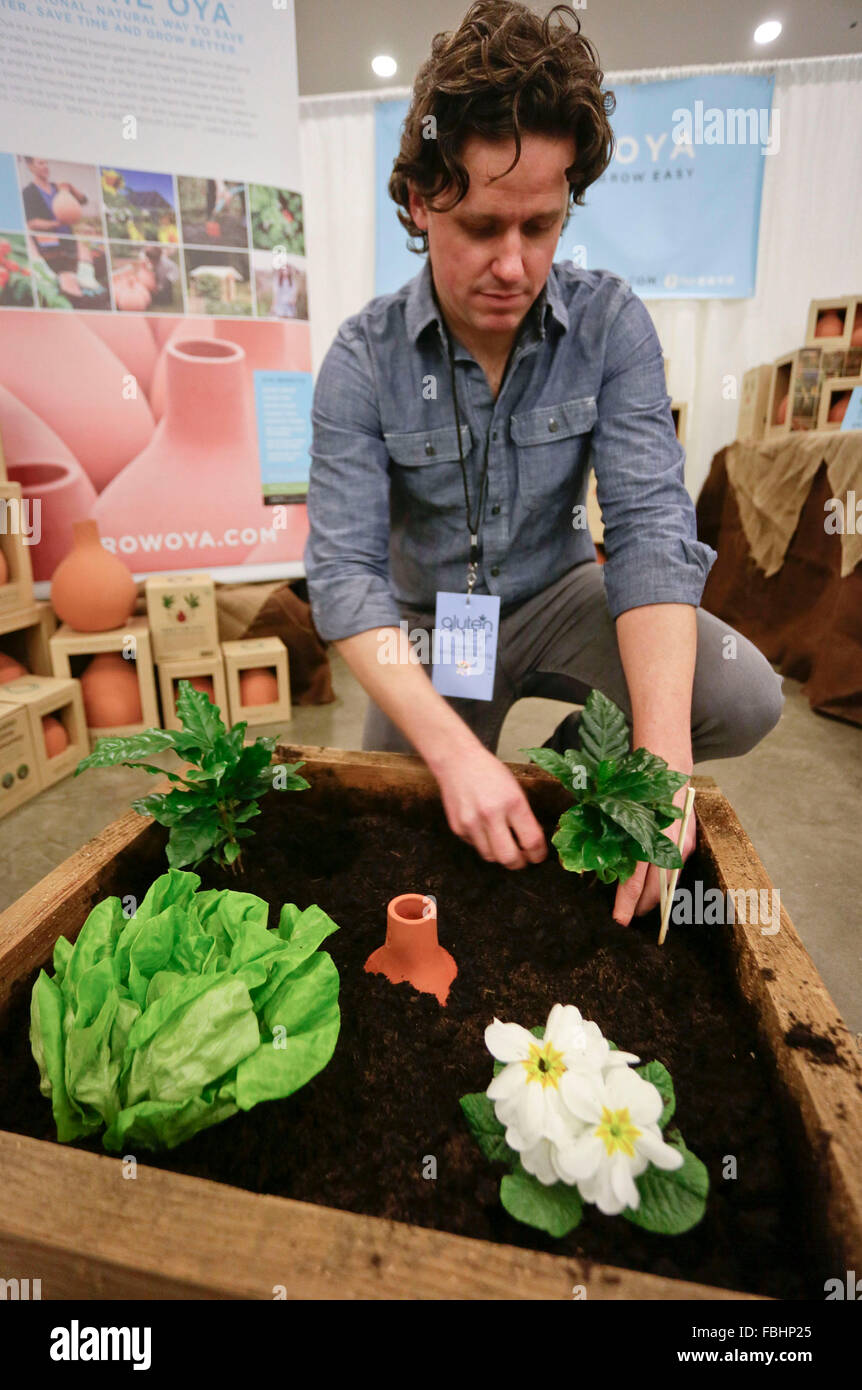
(806, 616)
(771, 480)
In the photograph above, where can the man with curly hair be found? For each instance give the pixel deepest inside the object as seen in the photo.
(455, 423)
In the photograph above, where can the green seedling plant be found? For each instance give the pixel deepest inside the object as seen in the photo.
(623, 799)
(208, 809)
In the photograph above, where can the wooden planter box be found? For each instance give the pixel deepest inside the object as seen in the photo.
(69, 1217)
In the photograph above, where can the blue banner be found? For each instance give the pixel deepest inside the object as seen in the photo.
(677, 212)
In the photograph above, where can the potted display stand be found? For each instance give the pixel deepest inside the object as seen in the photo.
(99, 1237)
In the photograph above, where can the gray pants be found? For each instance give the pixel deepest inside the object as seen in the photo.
(562, 643)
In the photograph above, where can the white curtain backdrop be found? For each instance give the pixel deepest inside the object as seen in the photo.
(810, 234)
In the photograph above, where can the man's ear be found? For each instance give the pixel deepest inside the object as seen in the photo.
(418, 210)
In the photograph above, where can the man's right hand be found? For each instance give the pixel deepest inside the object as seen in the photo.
(485, 806)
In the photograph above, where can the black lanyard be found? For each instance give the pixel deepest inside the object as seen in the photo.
(472, 526)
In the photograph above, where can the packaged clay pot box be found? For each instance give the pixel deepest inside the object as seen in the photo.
(58, 729)
(754, 402)
(181, 609)
(16, 569)
(834, 400)
(835, 323)
(118, 682)
(24, 638)
(258, 684)
(797, 382)
(206, 673)
(19, 766)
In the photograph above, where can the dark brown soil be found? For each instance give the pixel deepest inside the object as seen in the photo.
(361, 1134)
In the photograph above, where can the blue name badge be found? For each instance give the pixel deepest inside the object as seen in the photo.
(464, 645)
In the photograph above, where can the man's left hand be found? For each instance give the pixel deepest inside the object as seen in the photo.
(641, 893)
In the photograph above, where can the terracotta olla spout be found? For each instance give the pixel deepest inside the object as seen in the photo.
(411, 951)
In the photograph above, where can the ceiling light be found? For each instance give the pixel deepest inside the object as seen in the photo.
(384, 66)
(765, 33)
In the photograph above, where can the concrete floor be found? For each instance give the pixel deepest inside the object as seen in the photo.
(798, 795)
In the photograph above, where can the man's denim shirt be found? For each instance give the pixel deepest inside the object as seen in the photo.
(585, 384)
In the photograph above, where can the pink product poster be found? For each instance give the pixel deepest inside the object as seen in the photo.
(156, 441)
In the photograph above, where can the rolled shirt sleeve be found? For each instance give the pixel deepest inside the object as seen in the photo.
(653, 554)
(347, 551)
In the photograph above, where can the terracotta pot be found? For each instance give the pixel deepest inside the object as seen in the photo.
(838, 408)
(66, 496)
(92, 590)
(66, 208)
(829, 324)
(130, 296)
(172, 331)
(56, 738)
(258, 686)
(112, 696)
(200, 473)
(856, 335)
(10, 669)
(274, 347)
(26, 437)
(145, 276)
(131, 341)
(77, 389)
(213, 229)
(202, 683)
(4, 567)
(781, 412)
(412, 951)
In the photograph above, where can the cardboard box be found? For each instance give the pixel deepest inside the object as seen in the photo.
(25, 637)
(848, 307)
(16, 594)
(248, 654)
(754, 402)
(182, 614)
(832, 387)
(49, 695)
(133, 641)
(19, 767)
(183, 668)
(799, 375)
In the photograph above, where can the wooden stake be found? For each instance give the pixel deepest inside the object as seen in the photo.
(671, 888)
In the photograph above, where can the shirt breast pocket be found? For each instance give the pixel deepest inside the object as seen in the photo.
(552, 449)
(426, 469)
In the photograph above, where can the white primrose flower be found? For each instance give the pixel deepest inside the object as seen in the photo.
(618, 1113)
(528, 1093)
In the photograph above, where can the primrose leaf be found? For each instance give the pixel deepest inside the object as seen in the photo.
(660, 1077)
(556, 1209)
(671, 1202)
(603, 732)
(200, 718)
(486, 1128)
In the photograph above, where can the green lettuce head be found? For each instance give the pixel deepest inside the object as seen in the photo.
(162, 1024)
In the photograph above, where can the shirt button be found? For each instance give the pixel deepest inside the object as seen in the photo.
(553, 426)
(429, 447)
(495, 570)
(495, 510)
